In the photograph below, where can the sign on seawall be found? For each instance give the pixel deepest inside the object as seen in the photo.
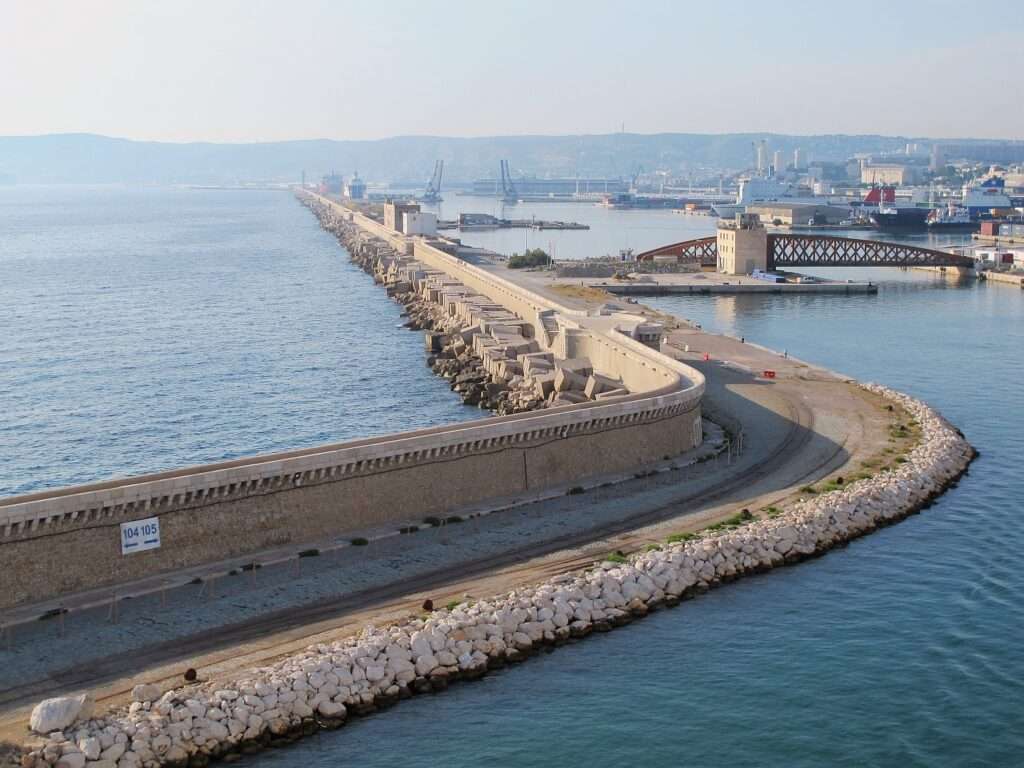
(140, 535)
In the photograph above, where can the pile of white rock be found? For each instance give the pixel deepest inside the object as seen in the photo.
(318, 688)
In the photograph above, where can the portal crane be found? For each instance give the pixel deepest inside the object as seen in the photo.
(433, 192)
(508, 189)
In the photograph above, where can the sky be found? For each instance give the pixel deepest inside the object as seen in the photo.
(227, 71)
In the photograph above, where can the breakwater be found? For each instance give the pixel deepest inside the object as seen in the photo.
(490, 356)
(64, 541)
(320, 687)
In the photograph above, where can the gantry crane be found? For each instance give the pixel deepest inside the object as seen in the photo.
(433, 192)
(508, 189)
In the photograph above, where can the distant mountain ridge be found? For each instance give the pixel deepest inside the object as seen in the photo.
(91, 158)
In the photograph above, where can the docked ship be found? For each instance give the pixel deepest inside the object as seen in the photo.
(952, 218)
(887, 215)
(761, 190)
(982, 198)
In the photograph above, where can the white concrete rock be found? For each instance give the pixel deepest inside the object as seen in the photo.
(57, 714)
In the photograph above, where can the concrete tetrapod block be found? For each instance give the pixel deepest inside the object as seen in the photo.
(509, 368)
(578, 365)
(544, 384)
(547, 357)
(611, 393)
(534, 366)
(596, 384)
(566, 380)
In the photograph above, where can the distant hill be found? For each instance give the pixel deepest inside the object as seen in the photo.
(89, 158)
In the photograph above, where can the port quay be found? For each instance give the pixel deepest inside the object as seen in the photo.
(672, 425)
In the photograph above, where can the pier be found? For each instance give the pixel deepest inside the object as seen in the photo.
(468, 222)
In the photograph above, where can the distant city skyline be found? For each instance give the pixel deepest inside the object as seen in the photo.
(232, 71)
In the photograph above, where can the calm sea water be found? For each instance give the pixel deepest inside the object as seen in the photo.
(159, 327)
(148, 329)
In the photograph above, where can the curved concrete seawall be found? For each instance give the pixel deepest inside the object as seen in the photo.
(323, 684)
(57, 542)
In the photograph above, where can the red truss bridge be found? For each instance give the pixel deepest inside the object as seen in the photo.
(785, 251)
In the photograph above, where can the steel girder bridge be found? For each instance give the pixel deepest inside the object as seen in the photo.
(702, 249)
(817, 251)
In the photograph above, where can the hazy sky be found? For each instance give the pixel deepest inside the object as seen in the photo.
(255, 71)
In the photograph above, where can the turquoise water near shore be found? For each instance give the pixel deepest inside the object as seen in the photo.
(151, 328)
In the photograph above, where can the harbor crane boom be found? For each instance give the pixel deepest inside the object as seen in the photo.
(508, 189)
(433, 192)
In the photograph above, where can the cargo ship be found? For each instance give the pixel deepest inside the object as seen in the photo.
(887, 216)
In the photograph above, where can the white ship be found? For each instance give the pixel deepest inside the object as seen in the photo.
(760, 190)
(980, 198)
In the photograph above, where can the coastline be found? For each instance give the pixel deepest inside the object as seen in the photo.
(295, 697)
(295, 722)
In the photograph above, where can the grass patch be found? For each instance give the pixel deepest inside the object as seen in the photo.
(616, 557)
(730, 523)
(452, 605)
(534, 257)
(808, 489)
(772, 511)
(652, 548)
(676, 538)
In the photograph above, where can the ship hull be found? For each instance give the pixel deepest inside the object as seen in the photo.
(957, 226)
(901, 220)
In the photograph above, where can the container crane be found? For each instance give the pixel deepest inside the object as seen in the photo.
(508, 189)
(433, 192)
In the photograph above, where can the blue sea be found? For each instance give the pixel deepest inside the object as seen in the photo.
(149, 328)
(144, 329)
